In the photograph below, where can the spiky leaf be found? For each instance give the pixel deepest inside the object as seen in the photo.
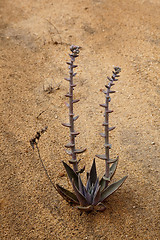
(86, 209)
(100, 207)
(81, 186)
(66, 194)
(97, 196)
(78, 151)
(83, 202)
(96, 185)
(93, 173)
(112, 171)
(111, 189)
(106, 179)
(71, 174)
(88, 185)
(102, 183)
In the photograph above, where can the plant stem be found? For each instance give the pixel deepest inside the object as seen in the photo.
(107, 134)
(107, 145)
(73, 152)
(71, 114)
(44, 167)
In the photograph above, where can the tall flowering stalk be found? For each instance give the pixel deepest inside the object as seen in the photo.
(107, 129)
(73, 151)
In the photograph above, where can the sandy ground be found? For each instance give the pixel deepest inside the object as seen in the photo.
(34, 40)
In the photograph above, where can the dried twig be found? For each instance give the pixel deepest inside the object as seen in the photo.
(34, 143)
(41, 113)
(56, 31)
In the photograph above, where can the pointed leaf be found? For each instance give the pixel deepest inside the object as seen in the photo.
(71, 174)
(67, 79)
(78, 151)
(69, 63)
(73, 85)
(113, 160)
(109, 79)
(100, 207)
(87, 175)
(67, 104)
(68, 95)
(102, 183)
(103, 135)
(72, 161)
(114, 79)
(88, 197)
(93, 173)
(74, 66)
(75, 101)
(81, 186)
(107, 145)
(103, 105)
(96, 185)
(113, 168)
(66, 124)
(112, 91)
(83, 191)
(74, 133)
(112, 171)
(107, 86)
(86, 209)
(103, 157)
(111, 128)
(97, 196)
(75, 118)
(106, 179)
(88, 185)
(69, 145)
(68, 152)
(109, 111)
(82, 200)
(105, 124)
(111, 189)
(66, 194)
(104, 92)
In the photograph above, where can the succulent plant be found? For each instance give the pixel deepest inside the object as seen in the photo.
(92, 195)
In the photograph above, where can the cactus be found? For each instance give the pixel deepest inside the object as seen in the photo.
(92, 195)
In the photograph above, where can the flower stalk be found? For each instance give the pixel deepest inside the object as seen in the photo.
(73, 151)
(107, 129)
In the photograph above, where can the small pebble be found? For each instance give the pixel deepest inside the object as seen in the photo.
(153, 143)
(62, 174)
